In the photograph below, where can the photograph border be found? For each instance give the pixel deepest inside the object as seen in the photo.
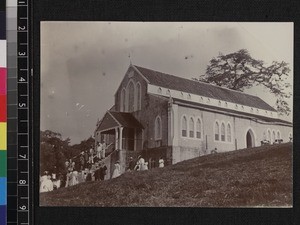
(45, 10)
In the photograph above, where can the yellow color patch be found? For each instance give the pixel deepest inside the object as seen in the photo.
(2, 136)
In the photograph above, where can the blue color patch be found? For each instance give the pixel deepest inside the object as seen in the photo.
(2, 214)
(3, 191)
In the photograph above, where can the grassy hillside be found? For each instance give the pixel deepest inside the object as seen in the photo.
(259, 176)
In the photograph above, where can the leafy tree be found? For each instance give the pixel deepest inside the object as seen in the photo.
(239, 71)
(53, 151)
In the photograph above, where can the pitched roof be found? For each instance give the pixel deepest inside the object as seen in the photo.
(114, 119)
(203, 89)
(126, 119)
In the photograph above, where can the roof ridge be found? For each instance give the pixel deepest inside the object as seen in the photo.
(213, 85)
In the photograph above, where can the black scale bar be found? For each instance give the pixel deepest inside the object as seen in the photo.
(12, 165)
(23, 181)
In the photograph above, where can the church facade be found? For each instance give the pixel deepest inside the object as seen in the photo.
(161, 115)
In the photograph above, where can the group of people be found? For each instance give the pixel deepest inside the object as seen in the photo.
(141, 164)
(89, 166)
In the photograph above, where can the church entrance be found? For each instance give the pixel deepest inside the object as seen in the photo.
(250, 139)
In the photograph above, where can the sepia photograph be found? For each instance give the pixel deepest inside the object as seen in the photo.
(166, 114)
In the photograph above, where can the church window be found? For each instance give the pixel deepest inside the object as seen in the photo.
(168, 92)
(184, 127)
(122, 108)
(228, 133)
(191, 127)
(223, 132)
(278, 134)
(269, 136)
(216, 131)
(138, 96)
(273, 136)
(158, 128)
(189, 96)
(198, 128)
(159, 90)
(130, 97)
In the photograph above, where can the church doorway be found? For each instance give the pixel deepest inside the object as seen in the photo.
(250, 139)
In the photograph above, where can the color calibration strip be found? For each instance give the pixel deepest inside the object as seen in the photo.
(3, 119)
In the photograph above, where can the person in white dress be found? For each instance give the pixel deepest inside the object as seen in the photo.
(99, 150)
(117, 170)
(146, 166)
(161, 162)
(46, 185)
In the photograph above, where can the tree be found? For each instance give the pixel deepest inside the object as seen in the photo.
(239, 71)
(53, 151)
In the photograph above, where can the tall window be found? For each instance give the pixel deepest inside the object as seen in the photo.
(228, 133)
(138, 95)
(216, 131)
(274, 136)
(191, 127)
(122, 108)
(198, 128)
(130, 97)
(278, 134)
(269, 136)
(158, 128)
(184, 127)
(223, 132)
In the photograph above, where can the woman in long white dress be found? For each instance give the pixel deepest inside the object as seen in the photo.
(161, 162)
(117, 170)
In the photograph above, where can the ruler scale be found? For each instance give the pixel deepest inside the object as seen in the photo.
(18, 210)
(12, 166)
(23, 113)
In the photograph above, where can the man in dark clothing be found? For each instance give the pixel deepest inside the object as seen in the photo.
(131, 164)
(102, 171)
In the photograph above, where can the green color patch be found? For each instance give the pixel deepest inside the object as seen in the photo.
(3, 164)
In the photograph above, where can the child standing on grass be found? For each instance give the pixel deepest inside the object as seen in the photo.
(117, 170)
(161, 162)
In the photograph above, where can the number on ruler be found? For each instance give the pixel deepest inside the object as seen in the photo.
(22, 181)
(22, 79)
(21, 105)
(21, 53)
(23, 156)
(21, 27)
(23, 207)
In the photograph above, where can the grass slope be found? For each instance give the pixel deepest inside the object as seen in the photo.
(254, 177)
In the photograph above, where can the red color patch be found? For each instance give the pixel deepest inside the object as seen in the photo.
(3, 108)
(2, 81)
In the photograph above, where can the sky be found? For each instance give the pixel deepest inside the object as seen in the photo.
(83, 63)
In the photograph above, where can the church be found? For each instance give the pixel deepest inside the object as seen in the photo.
(161, 115)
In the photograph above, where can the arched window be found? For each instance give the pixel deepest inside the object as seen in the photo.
(157, 128)
(216, 131)
(198, 128)
(273, 136)
(191, 127)
(131, 97)
(269, 136)
(278, 135)
(184, 127)
(223, 132)
(138, 96)
(228, 133)
(122, 103)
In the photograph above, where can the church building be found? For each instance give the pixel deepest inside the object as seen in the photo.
(161, 115)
